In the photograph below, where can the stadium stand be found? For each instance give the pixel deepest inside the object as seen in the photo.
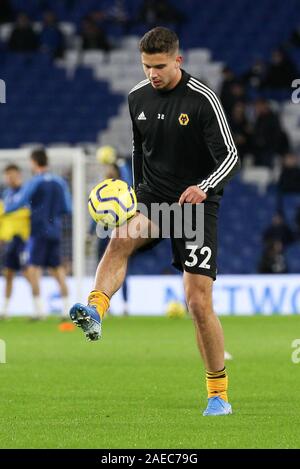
(81, 97)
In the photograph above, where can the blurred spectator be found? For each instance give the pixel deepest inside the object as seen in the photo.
(6, 12)
(279, 230)
(51, 38)
(112, 13)
(225, 93)
(268, 137)
(297, 223)
(255, 76)
(281, 71)
(295, 37)
(118, 11)
(273, 260)
(98, 17)
(289, 179)
(119, 15)
(153, 12)
(241, 129)
(23, 38)
(232, 91)
(93, 36)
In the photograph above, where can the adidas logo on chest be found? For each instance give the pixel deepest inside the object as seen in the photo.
(142, 117)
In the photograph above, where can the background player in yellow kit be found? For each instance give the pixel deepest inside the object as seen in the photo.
(14, 232)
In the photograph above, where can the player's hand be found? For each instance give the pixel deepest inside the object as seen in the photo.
(192, 195)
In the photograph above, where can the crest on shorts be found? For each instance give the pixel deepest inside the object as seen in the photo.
(183, 119)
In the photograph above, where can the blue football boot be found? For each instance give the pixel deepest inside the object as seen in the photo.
(217, 406)
(87, 317)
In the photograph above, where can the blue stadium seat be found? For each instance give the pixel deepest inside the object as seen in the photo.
(40, 96)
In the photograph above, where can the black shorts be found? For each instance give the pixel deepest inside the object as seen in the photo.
(14, 254)
(43, 252)
(189, 257)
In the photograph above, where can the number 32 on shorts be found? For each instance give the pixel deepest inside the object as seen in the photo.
(204, 251)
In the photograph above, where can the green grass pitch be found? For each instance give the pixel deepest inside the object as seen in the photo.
(142, 386)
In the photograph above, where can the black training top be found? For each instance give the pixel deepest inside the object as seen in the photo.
(180, 138)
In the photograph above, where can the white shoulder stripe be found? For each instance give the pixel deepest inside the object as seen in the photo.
(205, 184)
(232, 157)
(217, 102)
(141, 82)
(213, 94)
(132, 163)
(207, 91)
(146, 80)
(139, 85)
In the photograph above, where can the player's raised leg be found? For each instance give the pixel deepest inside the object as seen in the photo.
(210, 340)
(110, 275)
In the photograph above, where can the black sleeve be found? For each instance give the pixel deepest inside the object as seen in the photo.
(137, 155)
(218, 138)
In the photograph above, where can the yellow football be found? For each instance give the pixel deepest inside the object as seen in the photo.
(106, 155)
(175, 309)
(112, 203)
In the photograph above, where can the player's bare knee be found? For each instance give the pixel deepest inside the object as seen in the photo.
(199, 306)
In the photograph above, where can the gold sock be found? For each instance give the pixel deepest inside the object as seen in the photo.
(217, 384)
(100, 300)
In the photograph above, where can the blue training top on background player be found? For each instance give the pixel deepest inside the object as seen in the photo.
(49, 198)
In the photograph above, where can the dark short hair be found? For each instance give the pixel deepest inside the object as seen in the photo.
(159, 40)
(40, 157)
(12, 167)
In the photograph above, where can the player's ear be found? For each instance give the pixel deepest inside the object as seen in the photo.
(178, 61)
